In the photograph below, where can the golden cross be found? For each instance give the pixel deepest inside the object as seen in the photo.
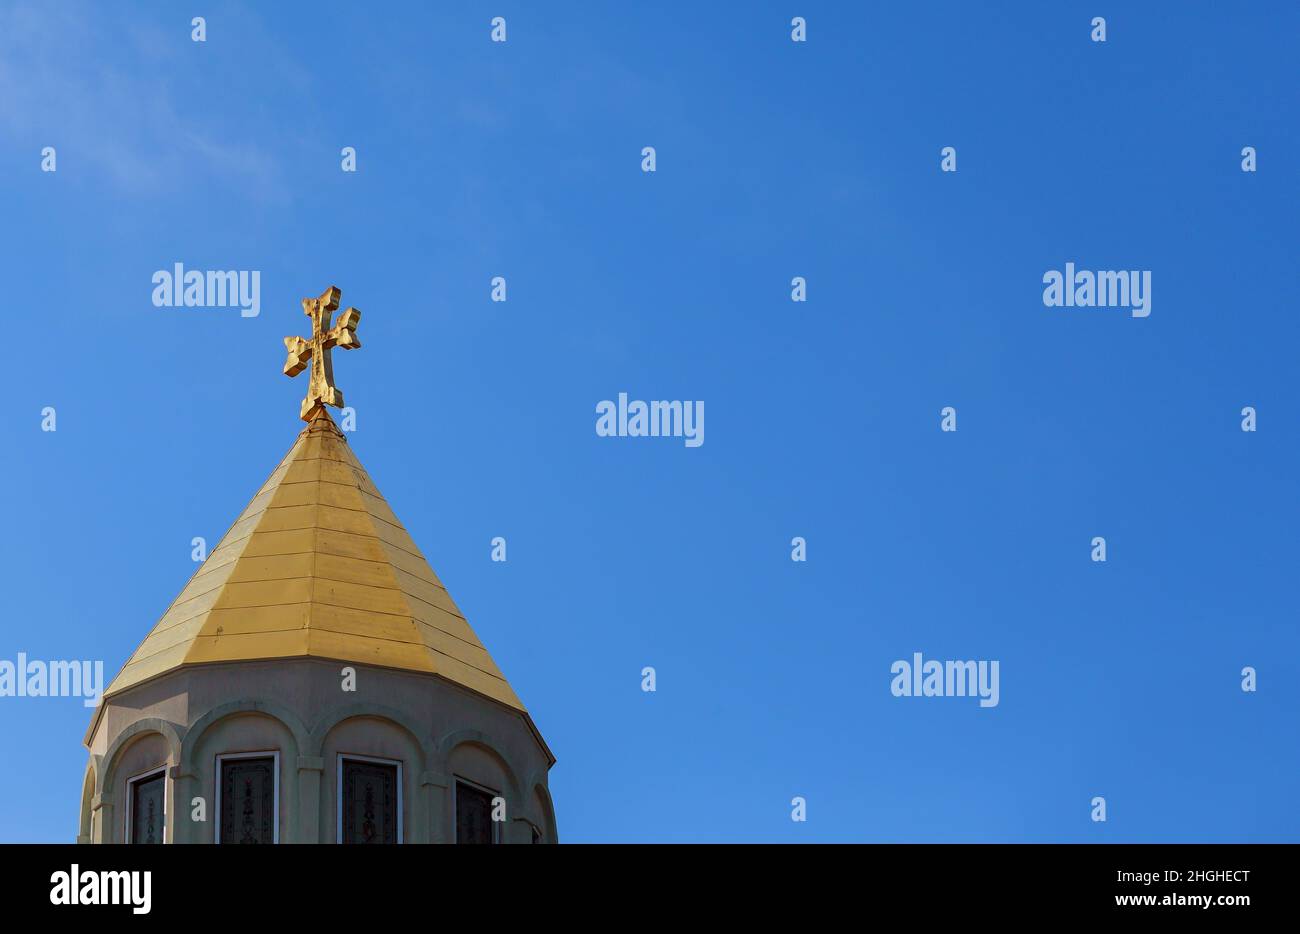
(321, 389)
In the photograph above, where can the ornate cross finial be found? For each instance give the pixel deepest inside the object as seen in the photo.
(321, 389)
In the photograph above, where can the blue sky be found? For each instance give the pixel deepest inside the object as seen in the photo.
(476, 419)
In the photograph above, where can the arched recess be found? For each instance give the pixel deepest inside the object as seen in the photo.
(242, 726)
(474, 756)
(545, 805)
(86, 823)
(332, 718)
(390, 735)
(199, 727)
(108, 783)
(165, 728)
(449, 743)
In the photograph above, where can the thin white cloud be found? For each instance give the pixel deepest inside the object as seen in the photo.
(101, 93)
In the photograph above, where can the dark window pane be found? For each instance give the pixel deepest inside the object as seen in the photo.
(473, 814)
(147, 809)
(369, 802)
(248, 800)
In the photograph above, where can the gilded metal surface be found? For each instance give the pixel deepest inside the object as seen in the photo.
(316, 350)
(319, 566)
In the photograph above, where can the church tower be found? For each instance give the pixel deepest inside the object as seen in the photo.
(314, 682)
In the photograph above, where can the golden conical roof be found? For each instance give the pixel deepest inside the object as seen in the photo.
(318, 566)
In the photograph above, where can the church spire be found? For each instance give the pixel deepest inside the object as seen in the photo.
(318, 565)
